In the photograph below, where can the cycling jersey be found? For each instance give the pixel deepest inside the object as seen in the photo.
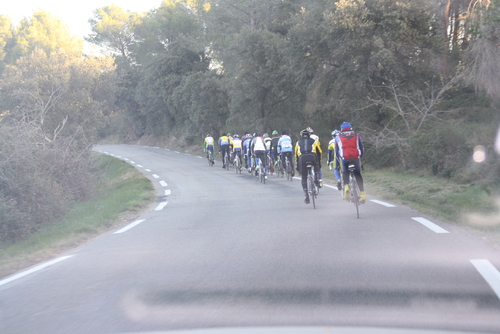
(237, 144)
(274, 147)
(209, 141)
(258, 144)
(223, 140)
(267, 141)
(285, 144)
(349, 145)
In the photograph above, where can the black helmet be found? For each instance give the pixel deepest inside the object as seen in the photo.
(305, 133)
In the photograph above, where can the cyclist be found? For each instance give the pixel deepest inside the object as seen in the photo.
(349, 147)
(208, 145)
(285, 149)
(267, 141)
(246, 150)
(237, 147)
(274, 146)
(258, 150)
(224, 147)
(332, 159)
(306, 151)
(319, 153)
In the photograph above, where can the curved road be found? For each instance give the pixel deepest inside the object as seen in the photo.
(223, 250)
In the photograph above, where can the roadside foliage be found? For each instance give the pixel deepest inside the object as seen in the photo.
(418, 79)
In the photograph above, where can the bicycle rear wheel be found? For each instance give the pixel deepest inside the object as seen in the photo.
(312, 194)
(355, 198)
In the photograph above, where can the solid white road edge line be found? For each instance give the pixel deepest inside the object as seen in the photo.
(430, 225)
(129, 226)
(489, 273)
(161, 206)
(383, 203)
(34, 269)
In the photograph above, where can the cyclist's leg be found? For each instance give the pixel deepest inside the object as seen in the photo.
(359, 179)
(345, 177)
(290, 161)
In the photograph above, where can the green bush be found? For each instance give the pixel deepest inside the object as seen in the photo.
(446, 150)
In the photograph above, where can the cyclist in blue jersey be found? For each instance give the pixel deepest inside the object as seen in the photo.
(246, 151)
(285, 149)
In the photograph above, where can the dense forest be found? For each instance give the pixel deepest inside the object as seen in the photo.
(419, 79)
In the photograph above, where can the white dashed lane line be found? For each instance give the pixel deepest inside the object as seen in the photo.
(156, 176)
(430, 225)
(383, 203)
(163, 183)
(489, 273)
(34, 269)
(148, 170)
(129, 226)
(161, 206)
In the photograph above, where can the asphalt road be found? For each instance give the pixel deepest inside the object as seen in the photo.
(219, 249)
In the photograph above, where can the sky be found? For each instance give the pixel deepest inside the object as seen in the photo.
(75, 14)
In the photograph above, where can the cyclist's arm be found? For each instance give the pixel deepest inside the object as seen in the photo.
(361, 147)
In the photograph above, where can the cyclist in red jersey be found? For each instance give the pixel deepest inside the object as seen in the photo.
(349, 147)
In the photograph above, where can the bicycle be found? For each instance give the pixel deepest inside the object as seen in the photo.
(281, 170)
(312, 188)
(237, 164)
(288, 168)
(210, 159)
(261, 172)
(354, 193)
(271, 164)
(226, 161)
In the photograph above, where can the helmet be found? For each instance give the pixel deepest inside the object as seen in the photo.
(209, 135)
(229, 134)
(335, 132)
(310, 130)
(236, 136)
(265, 135)
(257, 134)
(345, 126)
(275, 132)
(305, 133)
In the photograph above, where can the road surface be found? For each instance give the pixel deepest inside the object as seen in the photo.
(219, 249)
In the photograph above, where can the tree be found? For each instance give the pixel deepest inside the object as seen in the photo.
(261, 81)
(45, 32)
(157, 83)
(203, 97)
(112, 28)
(5, 40)
(483, 55)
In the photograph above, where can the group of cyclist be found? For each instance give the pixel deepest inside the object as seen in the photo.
(345, 146)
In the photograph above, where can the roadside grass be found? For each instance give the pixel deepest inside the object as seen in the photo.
(122, 194)
(471, 206)
(439, 197)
